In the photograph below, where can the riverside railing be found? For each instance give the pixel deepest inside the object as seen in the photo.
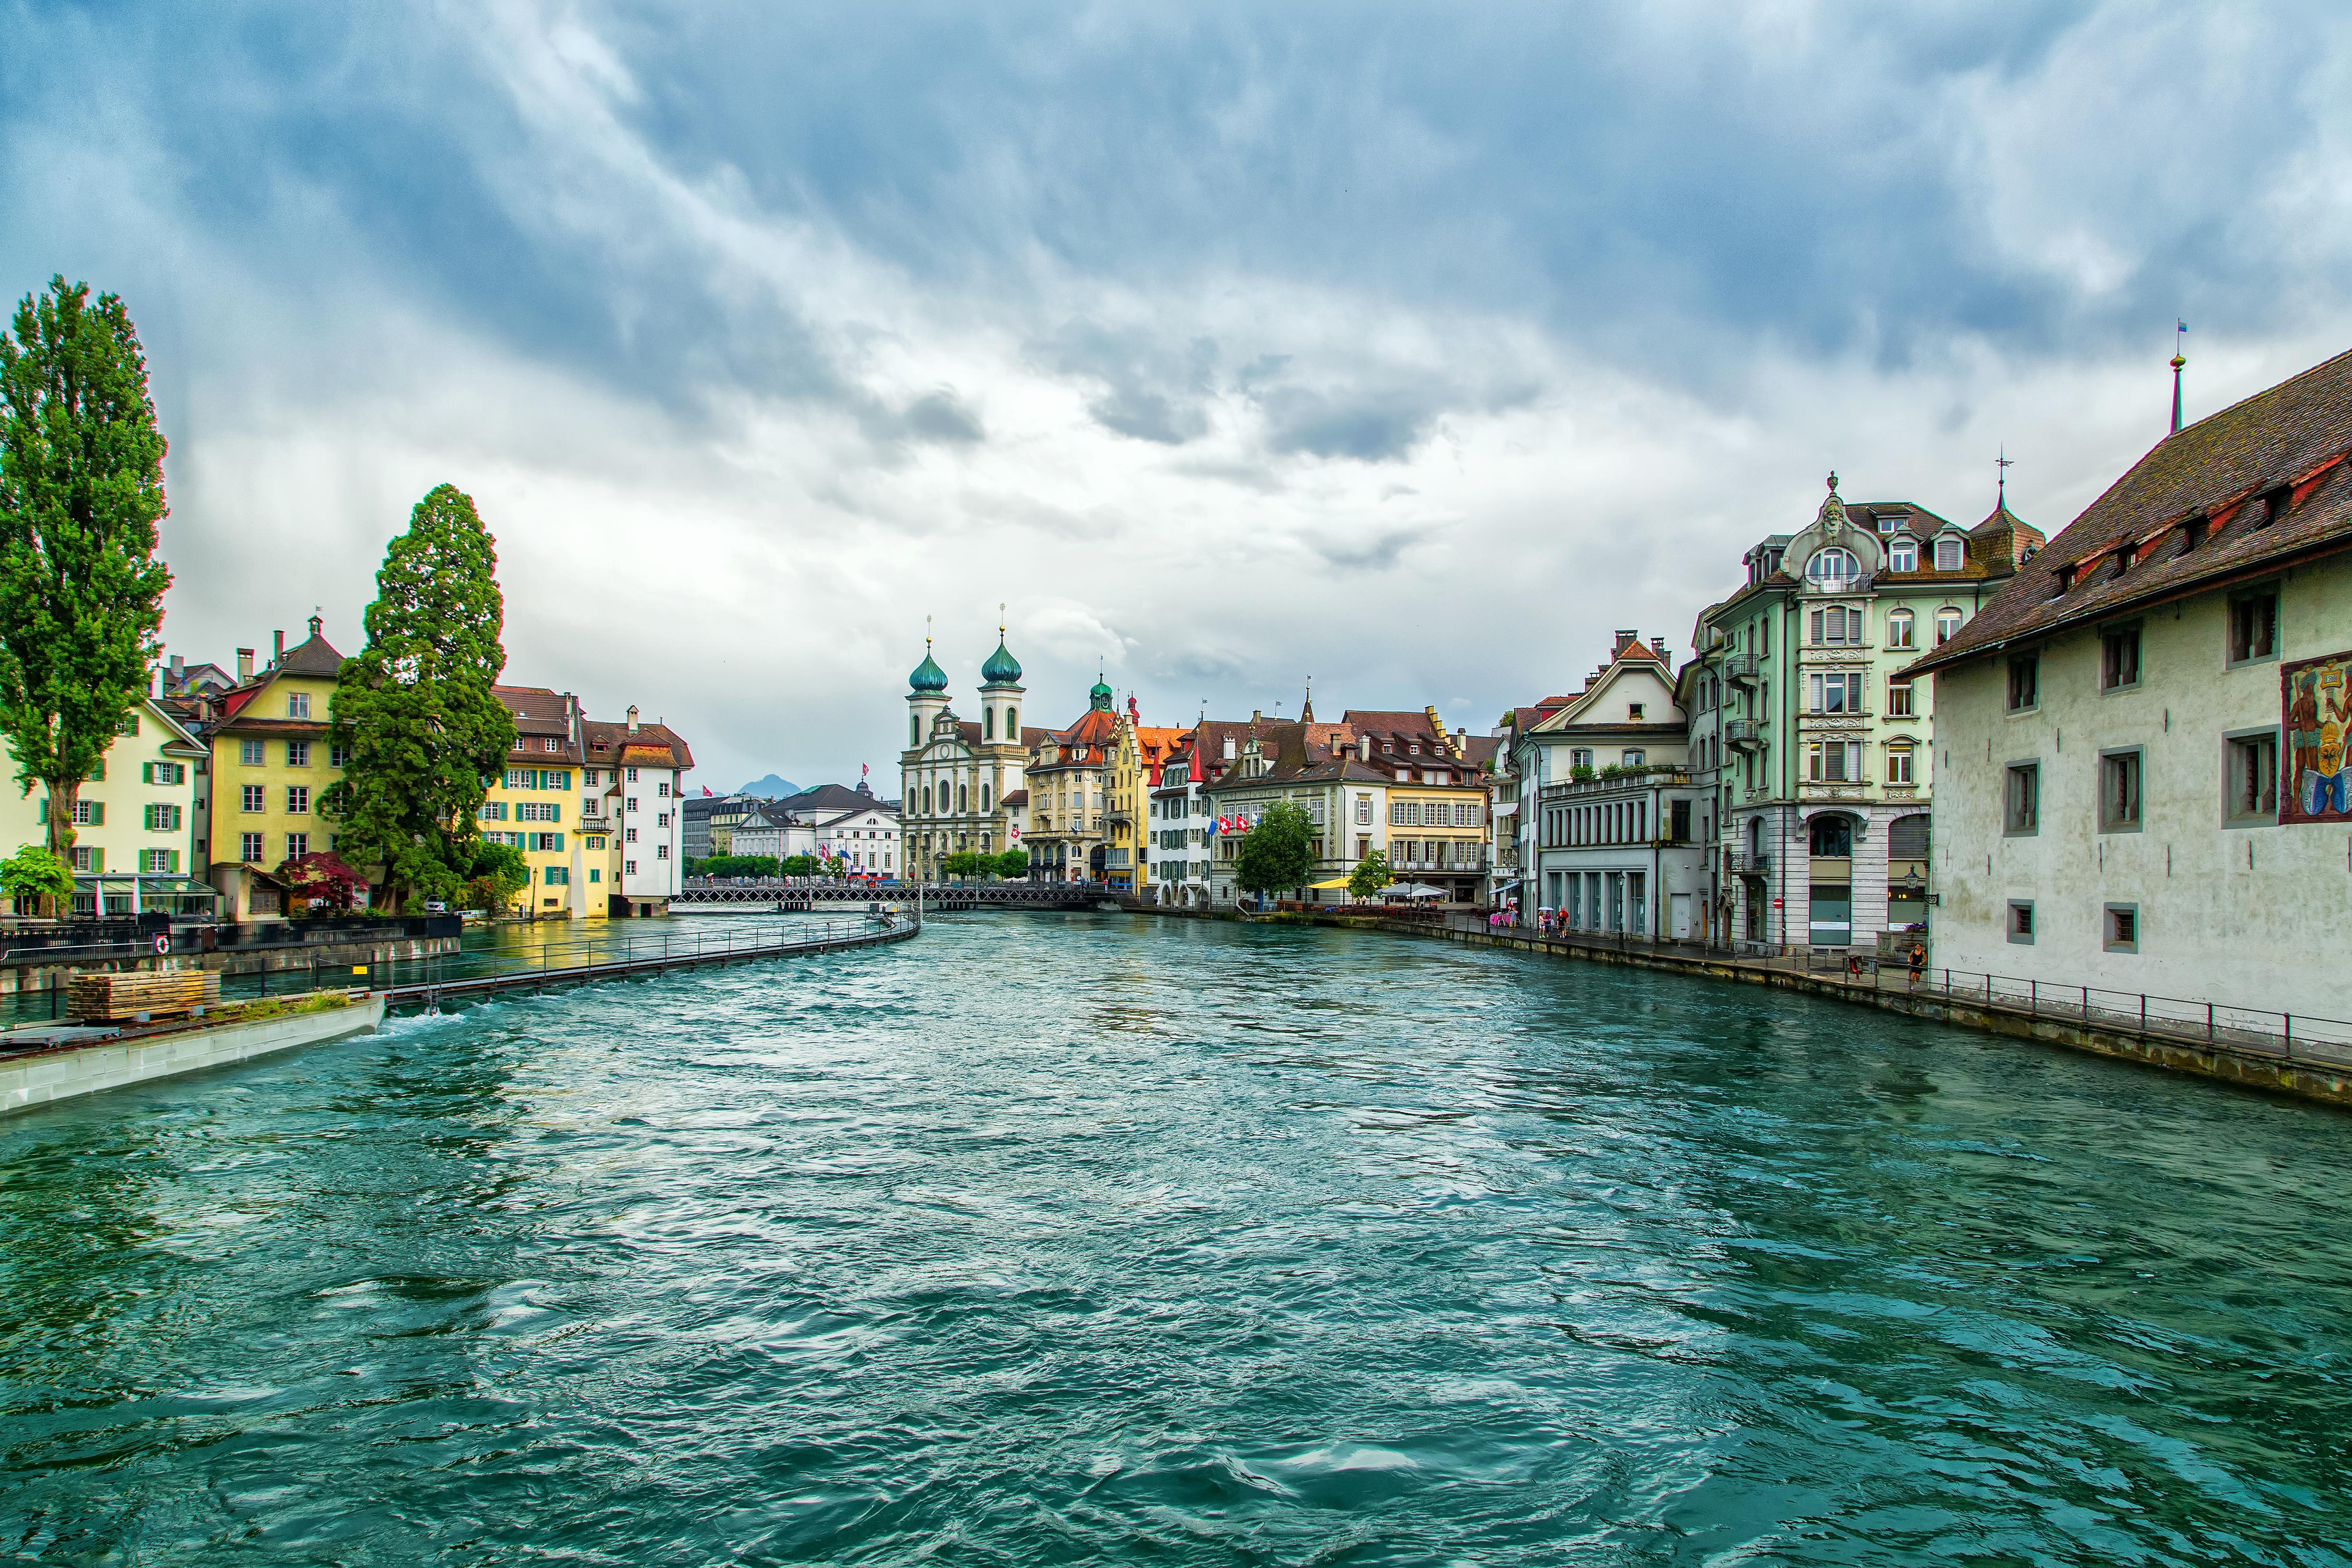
(2294, 1038)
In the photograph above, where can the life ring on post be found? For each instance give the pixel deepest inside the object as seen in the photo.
(162, 943)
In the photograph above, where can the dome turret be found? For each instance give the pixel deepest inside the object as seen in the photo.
(927, 675)
(1002, 668)
(1099, 696)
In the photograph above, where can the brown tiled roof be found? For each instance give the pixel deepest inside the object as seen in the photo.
(615, 739)
(540, 715)
(314, 654)
(2291, 438)
(1014, 797)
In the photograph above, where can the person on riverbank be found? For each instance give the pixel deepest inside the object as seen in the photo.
(1918, 963)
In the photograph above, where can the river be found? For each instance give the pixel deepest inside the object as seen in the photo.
(1092, 1238)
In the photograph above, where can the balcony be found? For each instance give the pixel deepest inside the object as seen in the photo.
(1742, 668)
(594, 824)
(1743, 734)
(1748, 862)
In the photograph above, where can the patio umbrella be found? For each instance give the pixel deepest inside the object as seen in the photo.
(1412, 890)
(1334, 882)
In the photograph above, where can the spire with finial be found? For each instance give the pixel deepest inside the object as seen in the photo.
(2000, 466)
(2178, 360)
(1307, 709)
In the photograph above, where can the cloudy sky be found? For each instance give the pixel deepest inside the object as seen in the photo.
(1410, 347)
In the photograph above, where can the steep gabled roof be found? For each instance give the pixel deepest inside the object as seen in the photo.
(2266, 478)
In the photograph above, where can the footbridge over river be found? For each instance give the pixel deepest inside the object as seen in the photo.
(705, 895)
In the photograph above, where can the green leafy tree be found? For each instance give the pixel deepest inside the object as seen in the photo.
(35, 872)
(1013, 864)
(82, 490)
(799, 866)
(497, 873)
(1278, 853)
(739, 866)
(959, 864)
(425, 732)
(1370, 875)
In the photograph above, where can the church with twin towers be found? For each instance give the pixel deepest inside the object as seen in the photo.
(963, 782)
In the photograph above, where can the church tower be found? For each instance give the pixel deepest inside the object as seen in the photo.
(926, 698)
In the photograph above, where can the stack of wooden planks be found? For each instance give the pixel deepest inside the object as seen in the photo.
(156, 992)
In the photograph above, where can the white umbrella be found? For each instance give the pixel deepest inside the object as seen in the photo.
(1412, 890)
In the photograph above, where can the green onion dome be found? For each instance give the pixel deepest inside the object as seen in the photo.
(927, 675)
(1100, 695)
(1002, 668)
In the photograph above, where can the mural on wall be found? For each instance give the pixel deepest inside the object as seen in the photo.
(2318, 694)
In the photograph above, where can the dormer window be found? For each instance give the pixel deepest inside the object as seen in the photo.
(1948, 554)
(1903, 556)
(1888, 522)
(2275, 505)
(1834, 568)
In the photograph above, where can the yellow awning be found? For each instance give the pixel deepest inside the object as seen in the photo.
(1334, 882)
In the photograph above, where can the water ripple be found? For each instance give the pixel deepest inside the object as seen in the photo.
(1054, 1238)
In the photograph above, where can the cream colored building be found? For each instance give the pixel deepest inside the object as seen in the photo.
(136, 820)
(2141, 740)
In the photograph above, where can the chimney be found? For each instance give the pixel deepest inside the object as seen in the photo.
(1626, 639)
(1659, 645)
(632, 717)
(243, 665)
(179, 664)
(276, 649)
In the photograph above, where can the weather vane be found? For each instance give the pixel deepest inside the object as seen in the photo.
(2001, 465)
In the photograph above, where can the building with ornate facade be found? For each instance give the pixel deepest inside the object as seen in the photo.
(1069, 777)
(1823, 790)
(959, 778)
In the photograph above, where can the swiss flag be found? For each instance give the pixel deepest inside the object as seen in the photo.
(706, 789)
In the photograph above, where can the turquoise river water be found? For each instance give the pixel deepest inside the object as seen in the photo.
(1091, 1238)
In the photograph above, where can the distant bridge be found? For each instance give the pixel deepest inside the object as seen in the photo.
(701, 893)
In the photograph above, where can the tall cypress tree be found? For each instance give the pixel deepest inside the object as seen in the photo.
(82, 490)
(425, 732)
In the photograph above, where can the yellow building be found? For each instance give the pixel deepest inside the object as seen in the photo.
(271, 764)
(135, 819)
(1136, 752)
(550, 805)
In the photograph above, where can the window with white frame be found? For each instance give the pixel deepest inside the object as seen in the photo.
(1833, 762)
(1948, 554)
(1903, 556)
(1900, 629)
(1836, 692)
(1833, 568)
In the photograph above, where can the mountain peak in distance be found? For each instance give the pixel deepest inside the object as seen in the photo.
(774, 787)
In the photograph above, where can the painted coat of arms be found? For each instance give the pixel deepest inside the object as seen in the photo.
(2318, 694)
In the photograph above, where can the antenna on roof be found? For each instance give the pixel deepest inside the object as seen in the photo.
(2180, 328)
(2001, 465)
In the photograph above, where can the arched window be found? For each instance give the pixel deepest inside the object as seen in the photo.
(1947, 625)
(927, 800)
(1948, 554)
(1832, 568)
(1832, 836)
(983, 797)
(1013, 723)
(988, 723)
(963, 799)
(914, 728)
(1903, 556)
(1899, 631)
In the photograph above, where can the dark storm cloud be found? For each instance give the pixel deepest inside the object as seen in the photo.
(1649, 180)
